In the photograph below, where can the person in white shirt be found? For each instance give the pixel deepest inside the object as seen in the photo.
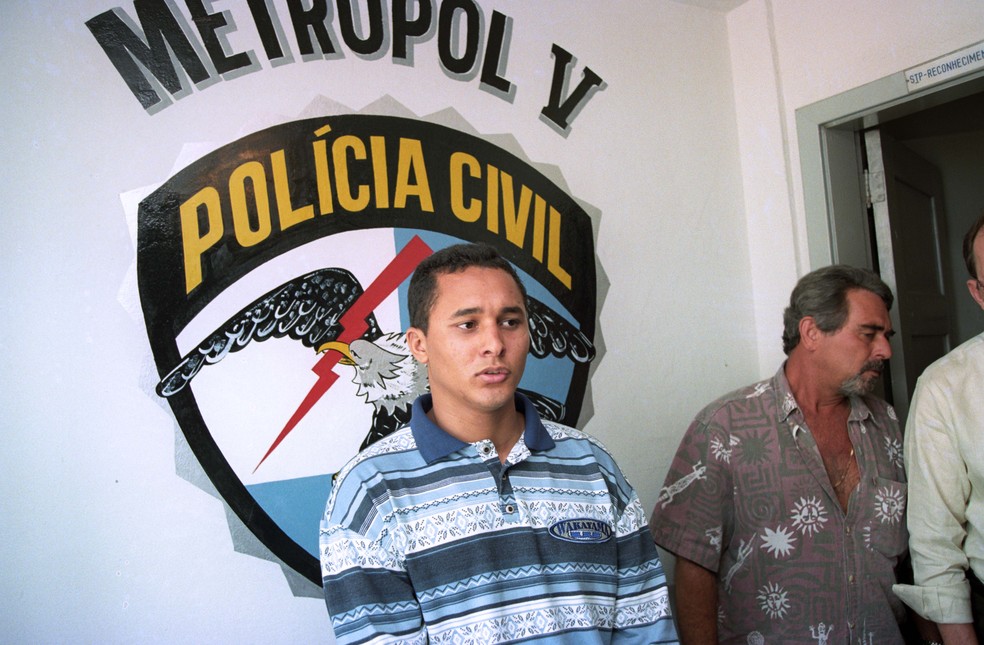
(944, 456)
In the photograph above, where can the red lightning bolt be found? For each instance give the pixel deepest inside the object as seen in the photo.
(353, 325)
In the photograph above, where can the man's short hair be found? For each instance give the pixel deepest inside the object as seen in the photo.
(968, 246)
(822, 295)
(423, 285)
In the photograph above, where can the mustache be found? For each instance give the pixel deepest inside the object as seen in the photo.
(874, 366)
(859, 384)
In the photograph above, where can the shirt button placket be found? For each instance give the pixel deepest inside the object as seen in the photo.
(853, 593)
(508, 503)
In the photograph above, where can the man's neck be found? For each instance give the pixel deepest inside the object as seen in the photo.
(813, 396)
(503, 427)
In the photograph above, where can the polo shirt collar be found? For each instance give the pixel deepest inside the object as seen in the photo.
(434, 443)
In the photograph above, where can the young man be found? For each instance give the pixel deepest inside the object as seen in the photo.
(480, 523)
(944, 455)
(784, 504)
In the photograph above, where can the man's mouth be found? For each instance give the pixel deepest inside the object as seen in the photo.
(494, 374)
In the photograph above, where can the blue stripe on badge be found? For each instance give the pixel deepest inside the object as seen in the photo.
(582, 530)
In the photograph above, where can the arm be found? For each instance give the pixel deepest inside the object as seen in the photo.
(696, 603)
(958, 634)
(642, 601)
(692, 518)
(939, 489)
(369, 595)
(368, 603)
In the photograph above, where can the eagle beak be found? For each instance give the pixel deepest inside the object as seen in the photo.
(341, 348)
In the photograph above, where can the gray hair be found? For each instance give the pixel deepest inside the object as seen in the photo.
(822, 295)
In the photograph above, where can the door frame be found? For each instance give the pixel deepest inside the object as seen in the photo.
(832, 168)
(830, 161)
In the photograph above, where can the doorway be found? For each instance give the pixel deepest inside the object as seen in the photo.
(853, 208)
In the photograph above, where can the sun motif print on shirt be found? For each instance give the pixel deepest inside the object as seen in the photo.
(773, 601)
(754, 449)
(809, 516)
(889, 505)
(722, 452)
(894, 449)
(779, 543)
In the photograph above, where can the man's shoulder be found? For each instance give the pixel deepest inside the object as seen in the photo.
(740, 397)
(567, 435)
(396, 446)
(398, 441)
(559, 432)
(968, 356)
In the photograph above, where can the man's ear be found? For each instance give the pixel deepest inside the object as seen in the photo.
(417, 344)
(810, 334)
(975, 292)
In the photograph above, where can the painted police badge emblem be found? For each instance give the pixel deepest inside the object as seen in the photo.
(272, 276)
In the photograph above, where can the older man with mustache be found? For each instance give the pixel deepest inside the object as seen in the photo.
(784, 505)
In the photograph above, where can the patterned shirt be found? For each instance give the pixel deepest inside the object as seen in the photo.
(748, 497)
(428, 539)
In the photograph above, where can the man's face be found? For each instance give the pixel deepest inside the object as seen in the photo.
(976, 287)
(854, 355)
(476, 342)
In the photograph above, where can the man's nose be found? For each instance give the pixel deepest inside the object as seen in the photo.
(883, 348)
(492, 340)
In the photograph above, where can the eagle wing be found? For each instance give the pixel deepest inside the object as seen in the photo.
(384, 422)
(551, 334)
(307, 308)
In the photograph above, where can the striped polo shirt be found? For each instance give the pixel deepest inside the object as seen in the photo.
(428, 539)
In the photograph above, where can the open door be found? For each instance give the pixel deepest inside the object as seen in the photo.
(906, 206)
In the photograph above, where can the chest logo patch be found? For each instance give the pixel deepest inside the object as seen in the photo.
(582, 530)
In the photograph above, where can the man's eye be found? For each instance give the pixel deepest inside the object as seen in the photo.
(512, 322)
(466, 325)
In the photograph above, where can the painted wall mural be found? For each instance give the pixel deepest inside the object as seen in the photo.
(272, 271)
(158, 58)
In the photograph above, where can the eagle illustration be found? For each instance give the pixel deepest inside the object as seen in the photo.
(309, 309)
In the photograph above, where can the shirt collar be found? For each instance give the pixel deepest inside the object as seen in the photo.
(784, 395)
(434, 443)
